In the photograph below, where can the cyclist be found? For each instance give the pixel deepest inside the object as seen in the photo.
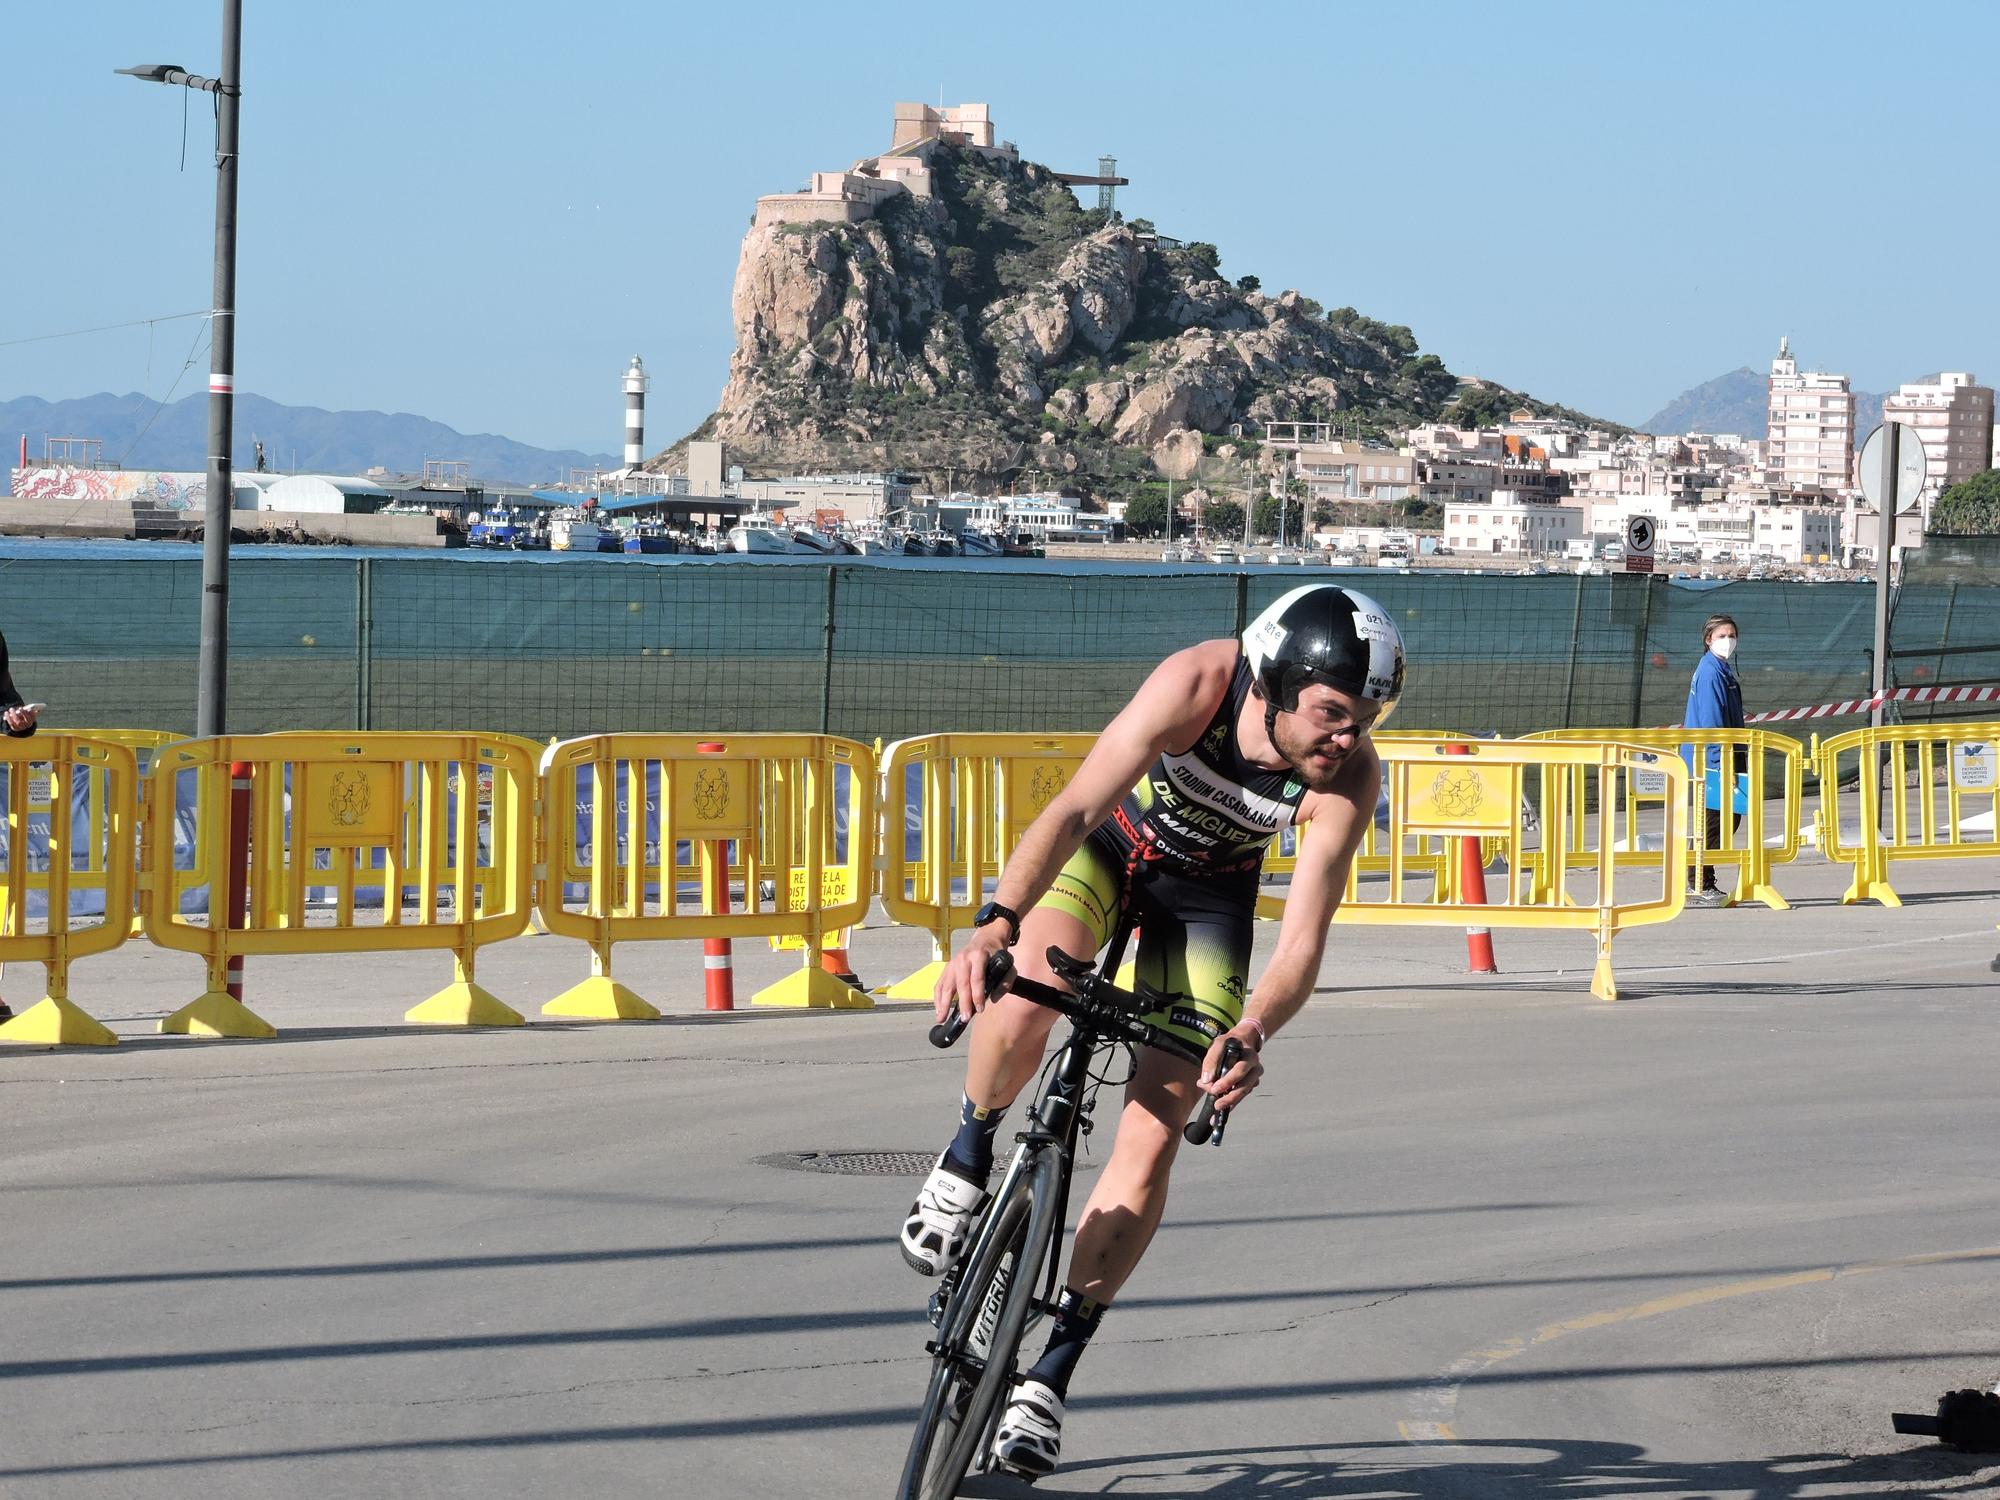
(1224, 745)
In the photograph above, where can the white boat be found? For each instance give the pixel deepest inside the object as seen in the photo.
(1222, 552)
(805, 539)
(571, 532)
(759, 533)
(975, 543)
(871, 539)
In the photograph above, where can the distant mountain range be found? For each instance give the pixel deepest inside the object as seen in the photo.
(140, 434)
(1738, 403)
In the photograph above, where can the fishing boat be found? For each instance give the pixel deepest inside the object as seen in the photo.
(648, 537)
(805, 539)
(572, 531)
(759, 533)
(497, 527)
(974, 542)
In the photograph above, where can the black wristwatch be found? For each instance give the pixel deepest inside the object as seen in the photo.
(993, 911)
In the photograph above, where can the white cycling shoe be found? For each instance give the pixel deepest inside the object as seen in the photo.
(1030, 1432)
(934, 1234)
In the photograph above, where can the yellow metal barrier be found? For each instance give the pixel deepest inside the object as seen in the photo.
(975, 795)
(329, 820)
(1773, 766)
(756, 809)
(44, 775)
(1453, 788)
(142, 743)
(1938, 778)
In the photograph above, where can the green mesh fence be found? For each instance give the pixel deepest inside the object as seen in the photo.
(570, 646)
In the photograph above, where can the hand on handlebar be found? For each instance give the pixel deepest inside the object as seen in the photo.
(962, 985)
(1234, 1086)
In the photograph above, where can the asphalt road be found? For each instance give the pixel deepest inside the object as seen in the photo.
(1484, 1238)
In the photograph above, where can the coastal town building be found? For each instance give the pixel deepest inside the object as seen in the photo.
(1512, 524)
(1953, 414)
(1810, 427)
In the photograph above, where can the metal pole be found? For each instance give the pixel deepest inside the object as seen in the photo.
(1569, 681)
(210, 701)
(1639, 644)
(364, 644)
(826, 673)
(1885, 541)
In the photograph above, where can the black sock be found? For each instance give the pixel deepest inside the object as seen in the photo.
(1077, 1317)
(970, 1153)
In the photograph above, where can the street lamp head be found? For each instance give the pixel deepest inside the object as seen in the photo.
(155, 72)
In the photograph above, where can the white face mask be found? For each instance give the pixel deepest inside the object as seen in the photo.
(1723, 646)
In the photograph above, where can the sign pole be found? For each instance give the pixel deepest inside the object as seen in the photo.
(1885, 543)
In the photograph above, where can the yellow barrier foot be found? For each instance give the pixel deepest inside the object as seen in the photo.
(815, 989)
(1870, 890)
(217, 1013)
(1603, 983)
(1768, 895)
(919, 986)
(601, 998)
(465, 1004)
(56, 1023)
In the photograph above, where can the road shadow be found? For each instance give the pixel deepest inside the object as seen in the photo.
(1521, 1469)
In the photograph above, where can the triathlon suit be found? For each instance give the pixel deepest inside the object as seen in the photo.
(1183, 852)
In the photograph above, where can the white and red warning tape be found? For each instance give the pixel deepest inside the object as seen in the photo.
(1863, 705)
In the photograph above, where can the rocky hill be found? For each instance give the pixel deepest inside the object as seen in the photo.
(997, 329)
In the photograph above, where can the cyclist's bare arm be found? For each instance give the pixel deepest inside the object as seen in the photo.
(1334, 824)
(1168, 713)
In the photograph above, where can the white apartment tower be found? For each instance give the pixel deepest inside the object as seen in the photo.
(1953, 413)
(1811, 427)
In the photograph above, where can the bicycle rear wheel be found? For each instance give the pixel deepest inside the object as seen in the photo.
(980, 1336)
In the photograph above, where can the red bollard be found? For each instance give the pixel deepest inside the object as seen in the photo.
(718, 959)
(1472, 884)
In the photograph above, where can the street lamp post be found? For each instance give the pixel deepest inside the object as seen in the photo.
(213, 676)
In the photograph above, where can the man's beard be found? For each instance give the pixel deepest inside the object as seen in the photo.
(1319, 775)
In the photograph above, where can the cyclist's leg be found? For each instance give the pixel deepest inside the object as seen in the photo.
(1008, 1039)
(1196, 947)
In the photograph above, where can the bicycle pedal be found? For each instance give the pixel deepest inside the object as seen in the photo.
(935, 1310)
(1022, 1475)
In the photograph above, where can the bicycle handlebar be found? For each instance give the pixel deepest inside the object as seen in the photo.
(1206, 1121)
(1105, 1008)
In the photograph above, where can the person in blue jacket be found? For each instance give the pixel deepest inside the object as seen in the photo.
(17, 719)
(1715, 701)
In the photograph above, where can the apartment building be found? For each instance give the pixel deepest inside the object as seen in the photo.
(1953, 413)
(1511, 523)
(1810, 421)
(1350, 471)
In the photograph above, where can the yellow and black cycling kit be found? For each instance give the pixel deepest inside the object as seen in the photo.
(1183, 852)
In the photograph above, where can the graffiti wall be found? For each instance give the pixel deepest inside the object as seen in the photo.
(156, 487)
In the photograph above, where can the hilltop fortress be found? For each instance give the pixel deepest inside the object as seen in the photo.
(857, 194)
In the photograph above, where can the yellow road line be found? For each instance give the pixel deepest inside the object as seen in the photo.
(1440, 1400)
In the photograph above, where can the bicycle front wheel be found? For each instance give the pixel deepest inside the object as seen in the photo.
(979, 1336)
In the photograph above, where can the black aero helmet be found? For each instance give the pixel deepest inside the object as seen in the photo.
(1324, 633)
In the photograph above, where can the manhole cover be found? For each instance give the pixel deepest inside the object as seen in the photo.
(853, 1163)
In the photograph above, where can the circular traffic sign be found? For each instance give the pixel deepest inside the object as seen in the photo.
(1910, 467)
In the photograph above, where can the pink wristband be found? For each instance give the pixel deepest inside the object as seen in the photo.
(1263, 1036)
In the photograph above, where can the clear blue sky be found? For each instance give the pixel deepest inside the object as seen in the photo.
(479, 212)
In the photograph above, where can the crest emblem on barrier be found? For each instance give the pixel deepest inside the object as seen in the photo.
(348, 799)
(1048, 780)
(711, 793)
(1458, 793)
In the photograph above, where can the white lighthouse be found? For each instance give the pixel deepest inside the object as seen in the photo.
(635, 415)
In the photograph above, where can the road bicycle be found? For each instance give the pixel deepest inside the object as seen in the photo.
(1005, 1283)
